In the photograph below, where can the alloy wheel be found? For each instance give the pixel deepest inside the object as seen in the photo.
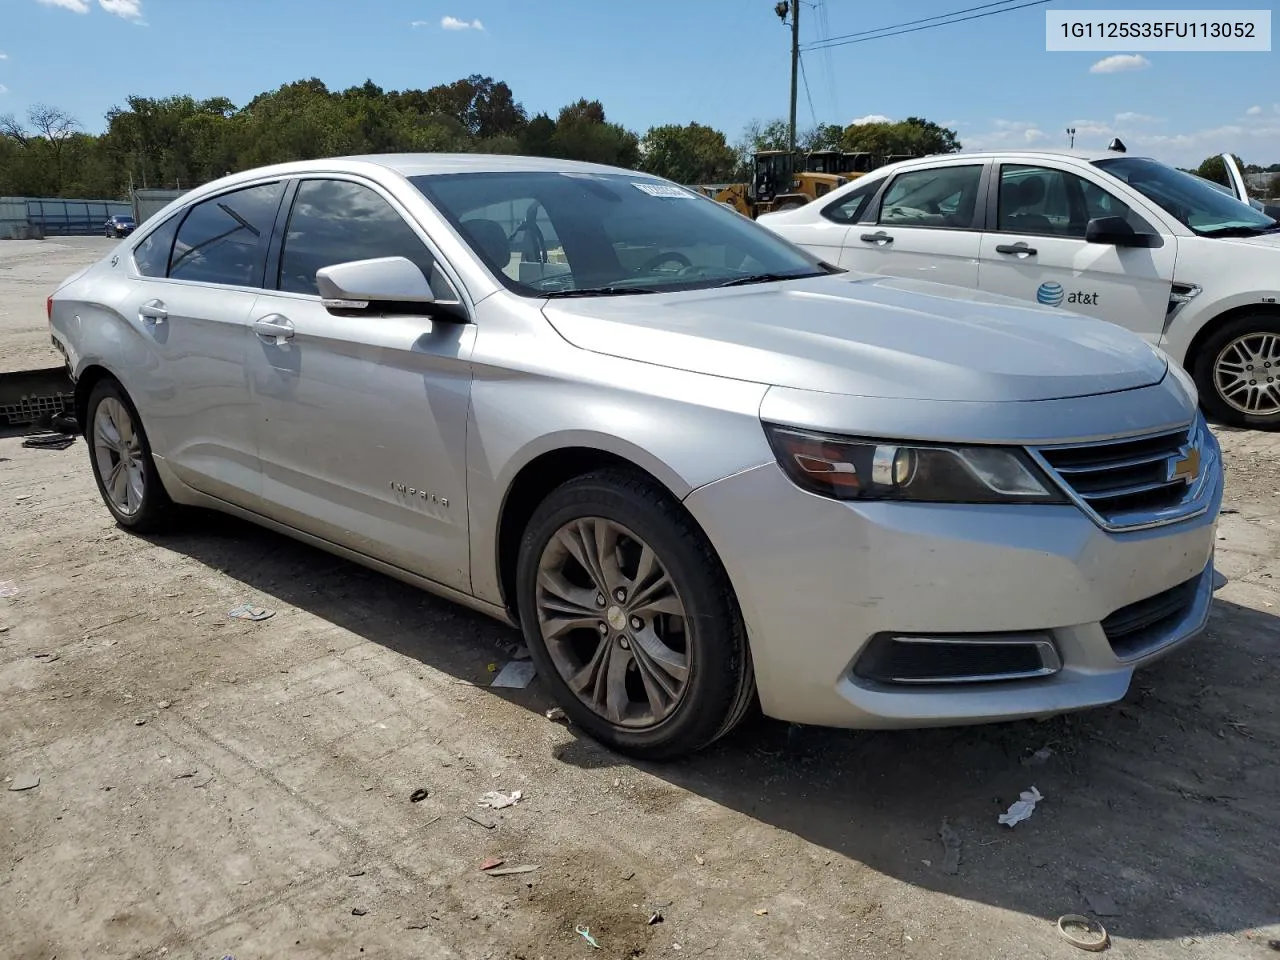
(1246, 374)
(613, 622)
(118, 450)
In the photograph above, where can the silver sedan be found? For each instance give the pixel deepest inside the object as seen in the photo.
(699, 468)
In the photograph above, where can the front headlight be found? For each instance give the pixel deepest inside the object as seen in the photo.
(851, 469)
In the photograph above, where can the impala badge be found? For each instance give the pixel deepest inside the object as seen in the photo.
(418, 494)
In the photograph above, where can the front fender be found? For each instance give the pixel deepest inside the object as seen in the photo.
(1200, 313)
(684, 429)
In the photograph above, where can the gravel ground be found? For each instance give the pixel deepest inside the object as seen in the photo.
(29, 272)
(213, 787)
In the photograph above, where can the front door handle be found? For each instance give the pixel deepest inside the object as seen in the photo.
(274, 328)
(879, 238)
(1019, 249)
(154, 310)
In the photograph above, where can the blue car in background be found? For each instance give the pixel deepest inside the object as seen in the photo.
(120, 225)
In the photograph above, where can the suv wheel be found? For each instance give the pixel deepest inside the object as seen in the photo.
(1238, 372)
(122, 464)
(629, 615)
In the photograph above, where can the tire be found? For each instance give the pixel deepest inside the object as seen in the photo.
(114, 434)
(1249, 341)
(642, 714)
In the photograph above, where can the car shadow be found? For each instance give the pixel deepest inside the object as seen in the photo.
(1164, 804)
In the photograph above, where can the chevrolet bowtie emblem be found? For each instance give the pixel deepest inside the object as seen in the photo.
(1185, 466)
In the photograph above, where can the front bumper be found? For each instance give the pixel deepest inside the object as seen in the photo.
(817, 579)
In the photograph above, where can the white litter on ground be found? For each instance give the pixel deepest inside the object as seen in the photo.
(1022, 808)
(517, 674)
(497, 800)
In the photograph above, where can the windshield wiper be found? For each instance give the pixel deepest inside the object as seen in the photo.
(1239, 231)
(765, 278)
(597, 292)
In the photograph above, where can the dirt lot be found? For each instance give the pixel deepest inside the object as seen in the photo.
(211, 787)
(29, 271)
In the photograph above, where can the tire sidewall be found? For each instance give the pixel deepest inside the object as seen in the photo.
(710, 612)
(1203, 373)
(154, 499)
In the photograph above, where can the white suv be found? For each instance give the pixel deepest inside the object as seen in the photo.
(1126, 239)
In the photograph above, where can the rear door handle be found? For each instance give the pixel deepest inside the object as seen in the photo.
(274, 328)
(879, 237)
(154, 310)
(1019, 249)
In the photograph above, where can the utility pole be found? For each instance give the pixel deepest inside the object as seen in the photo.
(795, 64)
(782, 8)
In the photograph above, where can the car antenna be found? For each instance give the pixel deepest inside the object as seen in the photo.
(1117, 145)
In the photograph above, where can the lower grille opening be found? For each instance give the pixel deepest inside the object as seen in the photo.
(1139, 626)
(905, 659)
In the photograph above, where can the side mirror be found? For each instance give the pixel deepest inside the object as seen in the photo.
(1118, 232)
(354, 285)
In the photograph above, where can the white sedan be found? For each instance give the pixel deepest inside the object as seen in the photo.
(1127, 239)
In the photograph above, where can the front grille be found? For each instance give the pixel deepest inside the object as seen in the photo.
(1117, 478)
(897, 659)
(1133, 629)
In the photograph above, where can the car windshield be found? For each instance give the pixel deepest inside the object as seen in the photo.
(1193, 201)
(548, 234)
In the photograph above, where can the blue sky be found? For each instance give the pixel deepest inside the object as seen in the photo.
(722, 62)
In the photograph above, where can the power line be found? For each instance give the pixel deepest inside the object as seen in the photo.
(813, 113)
(824, 34)
(894, 31)
(912, 23)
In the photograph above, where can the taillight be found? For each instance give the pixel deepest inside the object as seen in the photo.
(48, 308)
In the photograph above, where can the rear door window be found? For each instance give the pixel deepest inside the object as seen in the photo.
(224, 239)
(934, 197)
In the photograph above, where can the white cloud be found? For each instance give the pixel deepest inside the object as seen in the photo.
(871, 118)
(1120, 63)
(3, 89)
(1130, 117)
(128, 9)
(419, 23)
(75, 6)
(3, 55)
(453, 23)
(1033, 134)
(1254, 111)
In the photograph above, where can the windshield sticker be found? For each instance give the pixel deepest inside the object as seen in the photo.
(670, 191)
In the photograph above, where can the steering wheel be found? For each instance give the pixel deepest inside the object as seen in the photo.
(651, 265)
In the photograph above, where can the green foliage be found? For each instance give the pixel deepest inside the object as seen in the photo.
(1215, 169)
(180, 141)
(913, 135)
(688, 154)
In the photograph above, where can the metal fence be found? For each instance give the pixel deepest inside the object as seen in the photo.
(52, 217)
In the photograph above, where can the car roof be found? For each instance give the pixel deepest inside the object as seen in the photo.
(409, 165)
(1087, 155)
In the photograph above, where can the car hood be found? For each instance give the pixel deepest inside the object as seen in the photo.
(866, 336)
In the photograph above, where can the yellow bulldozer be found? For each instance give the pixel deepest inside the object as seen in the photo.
(785, 180)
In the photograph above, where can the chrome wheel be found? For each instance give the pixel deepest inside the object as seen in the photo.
(1246, 374)
(118, 450)
(613, 622)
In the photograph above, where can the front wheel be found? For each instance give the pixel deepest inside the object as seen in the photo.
(1237, 371)
(122, 464)
(629, 615)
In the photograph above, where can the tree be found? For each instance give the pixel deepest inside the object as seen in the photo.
(914, 135)
(1273, 189)
(583, 134)
(687, 154)
(825, 136)
(536, 138)
(1215, 169)
(51, 126)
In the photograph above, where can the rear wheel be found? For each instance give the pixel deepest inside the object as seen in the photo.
(630, 617)
(1237, 371)
(122, 464)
